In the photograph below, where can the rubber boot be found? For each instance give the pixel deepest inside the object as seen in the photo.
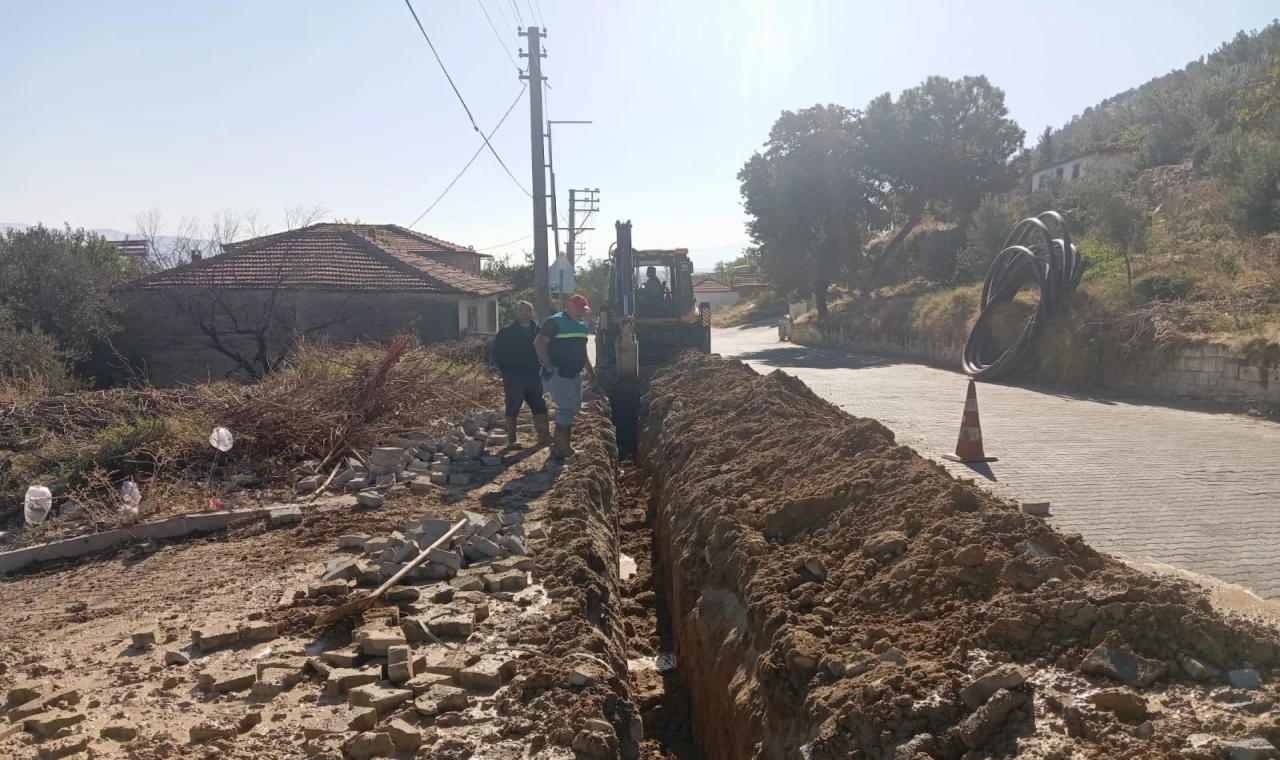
(513, 440)
(542, 424)
(562, 448)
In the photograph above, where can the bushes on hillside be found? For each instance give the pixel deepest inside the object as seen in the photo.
(1253, 204)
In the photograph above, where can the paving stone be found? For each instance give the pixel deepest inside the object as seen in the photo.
(342, 680)
(381, 696)
(459, 479)
(399, 664)
(480, 549)
(405, 737)
(468, 583)
(310, 483)
(490, 528)
(1247, 678)
(377, 644)
(513, 544)
(1255, 748)
(143, 639)
(449, 559)
(258, 631)
(279, 518)
(536, 530)
(223, 682)
(512, 580)
(358, 483)
(489, 672)
(420, 683)
(342, 658)
(47, 724)
(175, 657)
(340, 568)
(441, 698)
(26, 692)
(329, 588)
(369, 499)
(511, 518)
(214, 638)
(338, 719)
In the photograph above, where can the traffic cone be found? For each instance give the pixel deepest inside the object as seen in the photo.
(969, 446)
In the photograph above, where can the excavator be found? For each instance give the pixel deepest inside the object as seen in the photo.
(644, 324)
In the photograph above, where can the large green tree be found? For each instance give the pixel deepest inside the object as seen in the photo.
(945, 143)
(810, 204)
(58, 282)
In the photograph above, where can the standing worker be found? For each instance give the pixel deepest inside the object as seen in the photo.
(562, 349)
(521, 380)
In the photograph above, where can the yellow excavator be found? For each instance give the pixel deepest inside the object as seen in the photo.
(645, 323)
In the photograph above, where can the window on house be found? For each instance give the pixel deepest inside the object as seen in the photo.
(473, 319)
(1058, 172)
(493, 317)
(1075, 171)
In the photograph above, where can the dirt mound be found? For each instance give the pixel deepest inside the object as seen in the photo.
(843, 597)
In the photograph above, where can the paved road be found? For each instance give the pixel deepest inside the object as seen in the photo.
(1139, 480)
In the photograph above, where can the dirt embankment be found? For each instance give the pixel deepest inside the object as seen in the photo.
(835, 595)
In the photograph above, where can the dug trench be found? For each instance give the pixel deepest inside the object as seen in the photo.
(827, 593)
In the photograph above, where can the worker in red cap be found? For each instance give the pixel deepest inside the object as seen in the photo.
(562, 348)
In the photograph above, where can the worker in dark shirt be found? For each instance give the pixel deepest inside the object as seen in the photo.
(521, 373)
(652, 293)
(562, 349)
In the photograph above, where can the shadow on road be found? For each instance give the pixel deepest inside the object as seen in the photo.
(814, 358)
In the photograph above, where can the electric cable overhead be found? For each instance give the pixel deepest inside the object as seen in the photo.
(474, 156)
(532, 16)
(474, 126)
(503, 44)
(516, 9)
(505, 23)
(541, 15)
(509, 242)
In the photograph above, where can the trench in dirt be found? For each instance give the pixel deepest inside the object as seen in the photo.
(657, 676)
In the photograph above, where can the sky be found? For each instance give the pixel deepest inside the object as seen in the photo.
(108, 109)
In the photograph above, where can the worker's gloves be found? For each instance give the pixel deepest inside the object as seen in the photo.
(547, 372)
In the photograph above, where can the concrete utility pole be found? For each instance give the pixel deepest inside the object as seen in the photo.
(541, 289)
(551, 165)
(590, 200)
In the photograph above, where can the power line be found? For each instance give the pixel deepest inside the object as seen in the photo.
(472, 161)
(505, 22)
(541, 15)
(532, 16)
(503, 44)
(474, 126)
(509, 242)
(516, 9)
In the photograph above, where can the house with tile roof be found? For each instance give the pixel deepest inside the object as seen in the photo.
(235, 314)
(721, 291)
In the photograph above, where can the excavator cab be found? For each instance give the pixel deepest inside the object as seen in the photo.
(651, 314)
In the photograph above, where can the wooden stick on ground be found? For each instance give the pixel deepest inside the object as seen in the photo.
(350, 609)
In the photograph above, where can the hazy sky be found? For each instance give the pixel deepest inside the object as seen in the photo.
(113, 107)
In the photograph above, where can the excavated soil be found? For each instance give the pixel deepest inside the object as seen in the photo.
(834, 595)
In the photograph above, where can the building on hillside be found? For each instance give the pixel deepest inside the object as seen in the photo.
(707, 288)
(1074, 167)
(715, 290)
(221, 316)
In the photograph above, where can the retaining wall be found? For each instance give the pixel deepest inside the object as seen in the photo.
(1200, 371)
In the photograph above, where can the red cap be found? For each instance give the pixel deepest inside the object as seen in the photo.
(577, 299)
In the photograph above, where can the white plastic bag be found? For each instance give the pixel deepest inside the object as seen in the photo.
(131, 495)
(36, 506)
(221, 439)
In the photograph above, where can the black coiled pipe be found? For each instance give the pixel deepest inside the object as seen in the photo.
(1039, 249)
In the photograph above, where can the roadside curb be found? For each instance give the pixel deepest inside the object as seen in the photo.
(178, 526)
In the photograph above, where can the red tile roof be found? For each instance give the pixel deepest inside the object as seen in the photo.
(708, 283)
(329, 257)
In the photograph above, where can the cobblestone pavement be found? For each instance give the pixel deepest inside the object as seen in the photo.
(1143, 481)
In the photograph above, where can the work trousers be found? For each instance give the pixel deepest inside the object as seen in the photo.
(519, 389)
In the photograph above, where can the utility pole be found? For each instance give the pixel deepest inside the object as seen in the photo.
(551, 164)
(590, 200)
(541, 289)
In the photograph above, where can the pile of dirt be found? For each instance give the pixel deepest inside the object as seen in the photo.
(578, 694)
(835, 595)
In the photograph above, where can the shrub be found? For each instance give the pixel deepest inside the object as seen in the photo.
(1253, 204)
(1161, 287)
(984, 238)
(31, 361)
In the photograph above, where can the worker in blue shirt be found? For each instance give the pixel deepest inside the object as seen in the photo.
(562, 348)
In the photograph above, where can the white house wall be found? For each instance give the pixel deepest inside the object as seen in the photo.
(717, 298)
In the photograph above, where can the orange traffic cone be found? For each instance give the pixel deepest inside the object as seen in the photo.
(969, 446)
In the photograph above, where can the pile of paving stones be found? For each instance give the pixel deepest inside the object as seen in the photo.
(479, 543)
(418, 462)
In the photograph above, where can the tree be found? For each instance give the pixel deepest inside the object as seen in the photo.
(1045, 147)
(946, 142)
(59, 283)
(192, 236)
(1112, 212)
(811, 205)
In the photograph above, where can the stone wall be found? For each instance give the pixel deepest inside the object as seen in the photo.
(1198, 371)
(160, 341)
